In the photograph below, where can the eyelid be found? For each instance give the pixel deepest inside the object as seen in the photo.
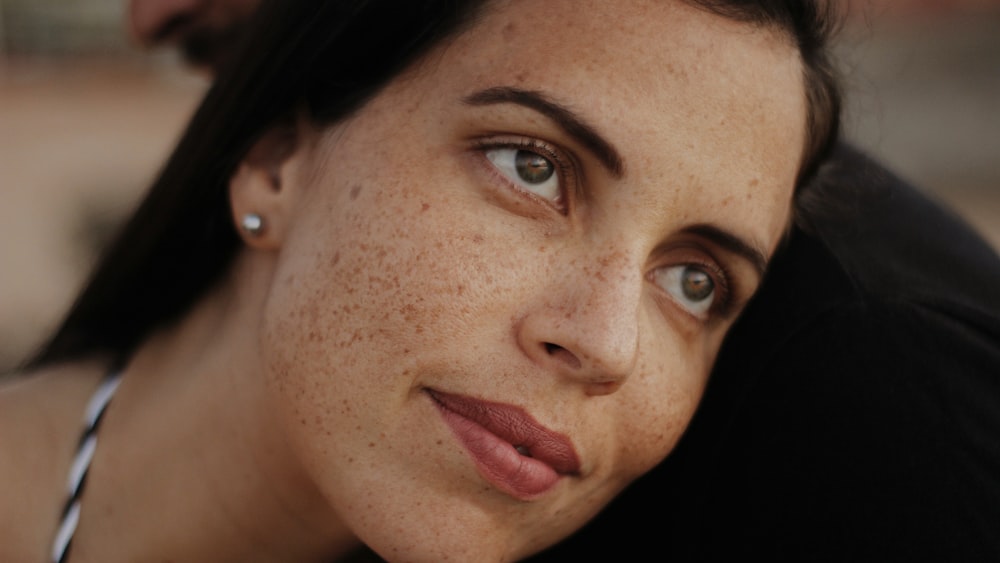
(564, 161)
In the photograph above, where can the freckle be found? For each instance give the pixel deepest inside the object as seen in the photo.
(371, 444)
(336, 258)
(439, 442)
(425, 207)
(355, 191)
(477, 238)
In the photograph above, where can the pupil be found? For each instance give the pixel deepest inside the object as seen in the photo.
(697, 285)
(532, 168)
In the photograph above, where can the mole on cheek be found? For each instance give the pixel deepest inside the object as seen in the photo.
(508, 30)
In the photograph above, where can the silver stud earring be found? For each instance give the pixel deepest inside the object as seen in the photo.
(253, 224)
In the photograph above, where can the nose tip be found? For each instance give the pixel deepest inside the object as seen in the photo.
(598, 378)
(597, 349)
(582, 321)
(147, 19)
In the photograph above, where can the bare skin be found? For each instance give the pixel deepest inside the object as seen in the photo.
(289, 416)
(40, 420)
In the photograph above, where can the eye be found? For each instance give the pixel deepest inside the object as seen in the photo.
(527, 169)
(690, 286)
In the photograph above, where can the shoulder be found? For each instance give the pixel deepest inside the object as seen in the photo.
(40, 422)
(893, 241)
(871, 434)
(882, 292)
(870, 252)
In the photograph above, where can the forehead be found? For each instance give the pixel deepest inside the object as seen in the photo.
(680, 91)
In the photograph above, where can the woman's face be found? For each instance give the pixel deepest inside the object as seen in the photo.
(503, 281)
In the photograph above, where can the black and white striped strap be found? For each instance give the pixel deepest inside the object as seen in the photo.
(81, 464)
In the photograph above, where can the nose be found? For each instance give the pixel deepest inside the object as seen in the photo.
(587, 327)
(150, 20)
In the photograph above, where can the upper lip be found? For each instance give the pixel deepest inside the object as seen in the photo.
(516, 426)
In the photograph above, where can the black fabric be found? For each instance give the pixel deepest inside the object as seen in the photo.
(854, 412)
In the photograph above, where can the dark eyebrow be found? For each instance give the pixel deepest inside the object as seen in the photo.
(571, 123)
(734, 244)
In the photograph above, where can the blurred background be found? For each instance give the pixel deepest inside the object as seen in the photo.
(86, 119)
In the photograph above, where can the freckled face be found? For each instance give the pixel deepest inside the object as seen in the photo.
(559, 212)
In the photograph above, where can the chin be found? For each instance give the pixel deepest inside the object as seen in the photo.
(443, 543)
(462, 529)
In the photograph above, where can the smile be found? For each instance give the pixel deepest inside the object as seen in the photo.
(510, 449)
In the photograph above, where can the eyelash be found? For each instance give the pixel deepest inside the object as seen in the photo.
(564, 164)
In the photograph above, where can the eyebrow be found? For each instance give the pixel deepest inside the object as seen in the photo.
(734, 244)
(566, 119)
(586, 135)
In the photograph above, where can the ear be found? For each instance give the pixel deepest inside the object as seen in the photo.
(264, 186)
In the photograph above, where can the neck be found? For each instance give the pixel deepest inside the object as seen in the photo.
(188, 450)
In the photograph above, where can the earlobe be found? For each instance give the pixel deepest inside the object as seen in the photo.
(262, 189)
(253, 224)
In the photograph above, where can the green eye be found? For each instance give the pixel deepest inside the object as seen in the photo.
(527, 170)
(532, 167)
(690, 286)
(696, 284)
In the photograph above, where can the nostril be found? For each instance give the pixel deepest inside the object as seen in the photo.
(558, 352)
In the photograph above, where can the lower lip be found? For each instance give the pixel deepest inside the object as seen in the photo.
(498, 462)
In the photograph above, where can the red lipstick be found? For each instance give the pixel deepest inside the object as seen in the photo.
(509, 447)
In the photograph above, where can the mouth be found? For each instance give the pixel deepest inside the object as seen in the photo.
(510, 449)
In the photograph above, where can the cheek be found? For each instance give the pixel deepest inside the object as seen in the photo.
(656, 408)
(377, 278)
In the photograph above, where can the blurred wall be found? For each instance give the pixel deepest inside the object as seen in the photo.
(61, 27)
(924, 96)
(86, 120)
